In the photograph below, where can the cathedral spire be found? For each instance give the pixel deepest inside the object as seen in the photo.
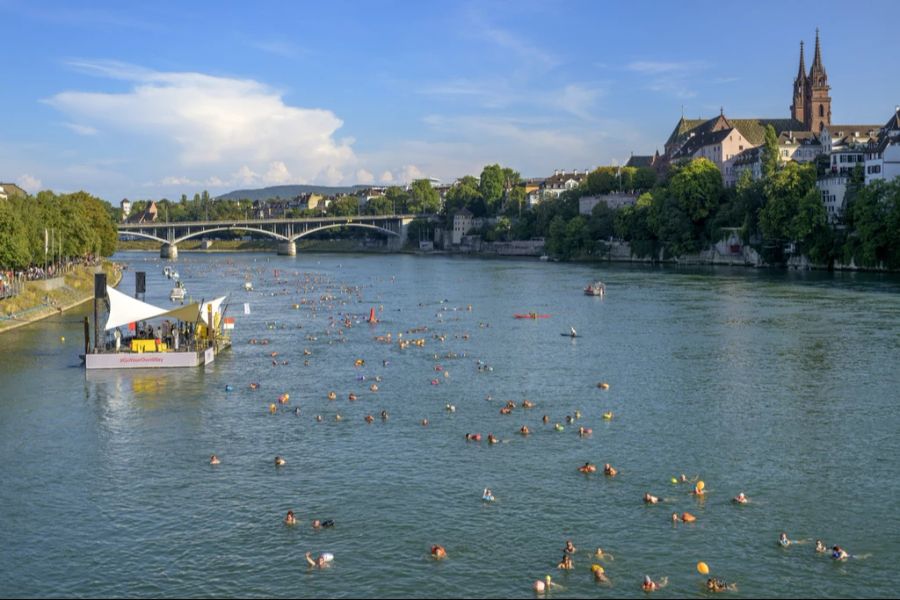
(817, 68)
(801, 73)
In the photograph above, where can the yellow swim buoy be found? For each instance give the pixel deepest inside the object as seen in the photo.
(596, 568)
(603, 385)
(273, 408)
(62, 339)
(703, 568)
(608, 416)
(700, 485)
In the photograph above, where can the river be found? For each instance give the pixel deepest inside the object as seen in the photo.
(783, 385)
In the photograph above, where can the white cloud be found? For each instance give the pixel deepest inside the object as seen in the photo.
(410, 173)
(215, 125)
(364, 177)
(278, 173)
(386, 177)
(30, 183)
(81, 129)
(177, 181)
(673, 78)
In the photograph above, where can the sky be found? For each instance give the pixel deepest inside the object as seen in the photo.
(158, 99)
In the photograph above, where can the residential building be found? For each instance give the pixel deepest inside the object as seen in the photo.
(462, 224)
(11, 190)
(125, 205)
(883, 155)
(615, 200)
(148, 215)
(561, 181)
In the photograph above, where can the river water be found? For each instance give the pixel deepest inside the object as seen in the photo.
(780, 385)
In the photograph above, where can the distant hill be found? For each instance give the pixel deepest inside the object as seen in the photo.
(286, 192)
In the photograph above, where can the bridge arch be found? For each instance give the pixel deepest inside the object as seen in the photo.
(142, 235)
(337, 225)
(271, 234)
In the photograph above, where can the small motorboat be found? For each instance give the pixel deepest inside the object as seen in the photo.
(177, 292)
(595, 289)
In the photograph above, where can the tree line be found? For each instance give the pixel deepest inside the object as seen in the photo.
(780, 214)
(50, 227)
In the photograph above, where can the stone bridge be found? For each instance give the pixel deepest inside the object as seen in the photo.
(285, 231)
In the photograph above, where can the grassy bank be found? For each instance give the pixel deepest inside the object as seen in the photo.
(34, 303)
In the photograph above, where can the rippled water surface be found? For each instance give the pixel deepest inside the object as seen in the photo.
(781, 385)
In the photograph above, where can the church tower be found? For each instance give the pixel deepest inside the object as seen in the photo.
(799, 104)
(817, 109)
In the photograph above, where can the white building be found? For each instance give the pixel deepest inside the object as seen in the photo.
(462, 224)
(560, 182)
(883, 157)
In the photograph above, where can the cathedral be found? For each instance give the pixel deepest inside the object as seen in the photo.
(812, 103)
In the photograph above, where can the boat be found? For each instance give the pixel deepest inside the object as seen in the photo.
(139, 335)
(248, 286)
(531, 316)
(595, 289)
(177, 292)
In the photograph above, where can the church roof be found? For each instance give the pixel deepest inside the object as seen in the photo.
(682, 127)
(637, 160)
(754, 130)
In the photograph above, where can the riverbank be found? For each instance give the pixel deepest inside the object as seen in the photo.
(36, 302)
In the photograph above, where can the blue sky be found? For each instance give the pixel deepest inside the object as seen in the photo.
(156, 99)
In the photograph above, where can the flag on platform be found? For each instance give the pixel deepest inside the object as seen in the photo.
(229, 323)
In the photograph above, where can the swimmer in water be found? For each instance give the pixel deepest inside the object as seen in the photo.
(740, 499)
(290, 519)
(783, 540)
(318, 563)
(524, 430)
(279, 461)
(384, 415)
(587, 468)
(609, 470)
(838, 553)
(651, 586)
(438, 552)
(566, 563)
(492, 439)
(599, 575)
(570, 548)
(545, 419)
(214, 460)
(572, 332)
(821, 548)
(714, 584)
(487, 495)
(698, 491)
(601, 555)
(650, 499)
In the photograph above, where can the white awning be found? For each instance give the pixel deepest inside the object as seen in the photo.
(124, 309)
(216, 304)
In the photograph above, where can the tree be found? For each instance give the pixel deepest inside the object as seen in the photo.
(491, 185)
(14, 253)
(462, 195)
(697, 188)
(770, 160)
(644, 178)
(344, 206)
(601, 180)
(398, 197)
(783, 192)
(423, 197)
(379, 205)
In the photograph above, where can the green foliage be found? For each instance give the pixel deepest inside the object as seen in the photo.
(770, 160)
(696, 188)
(344, 206)
(81, 225)
(398, 197)
(492, 185)
(423, 198)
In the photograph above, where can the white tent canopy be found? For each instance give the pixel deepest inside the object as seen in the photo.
(124, 309)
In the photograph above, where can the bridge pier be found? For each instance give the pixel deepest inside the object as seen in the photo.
(287, 249)
(168, 251)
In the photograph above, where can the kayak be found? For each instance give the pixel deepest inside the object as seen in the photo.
(532, 316)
